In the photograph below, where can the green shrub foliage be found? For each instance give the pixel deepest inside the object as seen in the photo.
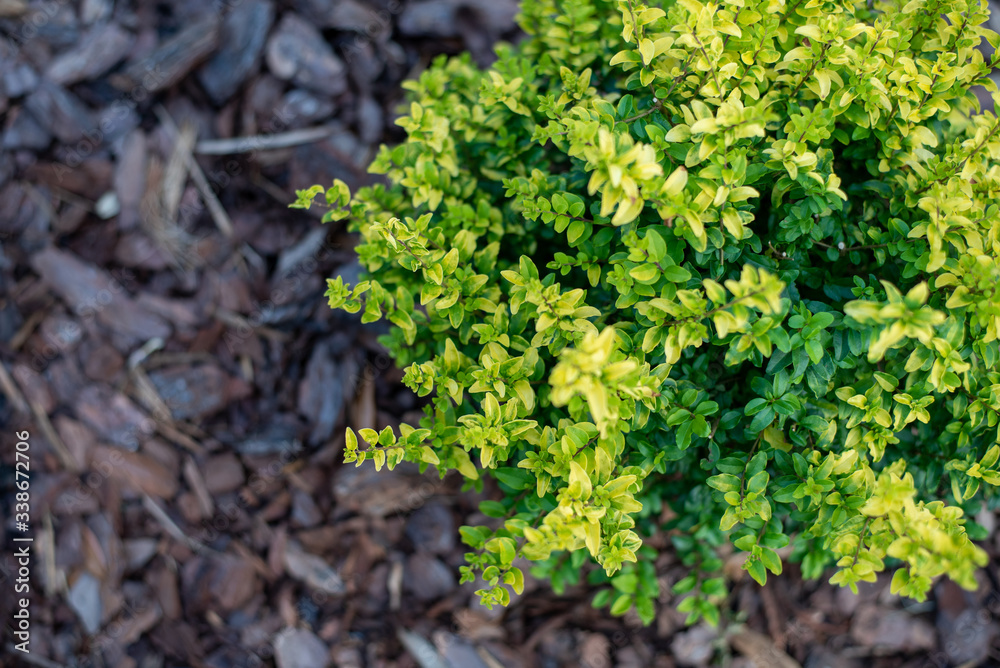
(726, 271)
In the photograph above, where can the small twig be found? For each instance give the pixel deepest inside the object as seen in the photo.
(236, 320)
(55, 577)
(163, 359)
(658, 105)
(62, 452)
(143, 388)
(709, 314)
(172, 431)
(218, 213)
(171, 527)
(861, 540)
(263, 142)
(31, 323)
(10, 388)
(156, 217)
(145, 392)
(278, 193)
(423, 652)
(395, 585)
(140, 355)
(850, 248)
(176, 172)
(812, 68)
(711, 69)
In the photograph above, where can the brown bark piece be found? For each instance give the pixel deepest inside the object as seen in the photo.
(174, 58)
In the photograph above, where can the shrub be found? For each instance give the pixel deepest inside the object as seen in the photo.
(725, 270)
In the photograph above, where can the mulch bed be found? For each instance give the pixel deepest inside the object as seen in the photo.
(164, 338)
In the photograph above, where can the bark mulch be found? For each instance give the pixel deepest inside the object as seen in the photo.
(164, 338)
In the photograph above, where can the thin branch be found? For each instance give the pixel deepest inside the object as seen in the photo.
(657, 106)
(13, 392)
(708, 314)
(850, 248)
(861, 540)
(708, 62)
(263, 142)
(215, 208)
(171, 527)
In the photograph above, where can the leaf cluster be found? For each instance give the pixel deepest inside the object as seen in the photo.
(725, 269)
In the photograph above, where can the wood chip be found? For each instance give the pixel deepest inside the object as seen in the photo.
(137, 471)
(22, 131)
(113, 416)
(244, 32)
(297, 51)
(223, 473)
(312, 570)
(138, 552)
(61, 114)
(84, 598)
(891, 631)
(363, 408)
(12, 8)
(438, 18)
(174, 58)
(88, 290)
(760, 649)
(321, 396)
(299, 648)
(99, 50)
(233, 582)
(28, 327)
(130, 627)
(130, 178)
(82, 185)
(194, 391)
(103, 363)
(79, 439)
(427, 578)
